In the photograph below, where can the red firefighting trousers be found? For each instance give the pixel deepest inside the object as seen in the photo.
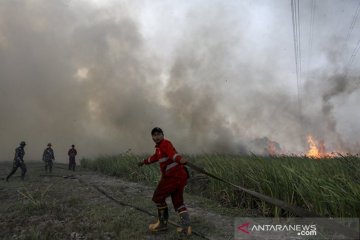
(170, 186)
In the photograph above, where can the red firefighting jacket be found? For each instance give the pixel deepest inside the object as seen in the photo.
(169, 160)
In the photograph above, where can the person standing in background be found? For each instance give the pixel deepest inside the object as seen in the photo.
(72, 153)
(48, 157)
(18, 161)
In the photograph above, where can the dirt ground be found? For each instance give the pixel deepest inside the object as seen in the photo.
(89, 205)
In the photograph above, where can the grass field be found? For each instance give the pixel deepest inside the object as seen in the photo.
(329, 187)
(49, 206)
(54, 207)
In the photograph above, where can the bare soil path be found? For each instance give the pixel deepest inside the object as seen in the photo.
(56, 206)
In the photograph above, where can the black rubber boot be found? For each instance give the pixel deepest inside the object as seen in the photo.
(184, 231)
(161, 224)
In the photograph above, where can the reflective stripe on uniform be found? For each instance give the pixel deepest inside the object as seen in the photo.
(164, 159)
(171, 166)
(182, 206)
(175, 156)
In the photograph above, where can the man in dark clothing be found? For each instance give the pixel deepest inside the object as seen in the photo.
(18, 161)
(72, 153)
(48, 157)
(172, 183)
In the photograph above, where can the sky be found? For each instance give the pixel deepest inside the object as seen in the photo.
(217, 76)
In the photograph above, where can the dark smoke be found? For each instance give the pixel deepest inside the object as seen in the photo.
(72, 73)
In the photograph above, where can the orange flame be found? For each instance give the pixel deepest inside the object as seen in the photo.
(313, 151)
(317, 149)
(271, 148)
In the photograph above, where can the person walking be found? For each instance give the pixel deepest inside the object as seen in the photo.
(172, 183)
(19, 161)
(72, 153)
(48, 157)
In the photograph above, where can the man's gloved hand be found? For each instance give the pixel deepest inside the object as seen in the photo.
(140, 163)
(183, 161)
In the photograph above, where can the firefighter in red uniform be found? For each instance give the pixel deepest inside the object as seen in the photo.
(172, 182)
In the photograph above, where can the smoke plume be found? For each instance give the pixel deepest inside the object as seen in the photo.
(101, 76)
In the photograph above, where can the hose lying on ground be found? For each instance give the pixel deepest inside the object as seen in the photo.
(120, 202)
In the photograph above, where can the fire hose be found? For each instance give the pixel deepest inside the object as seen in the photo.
(121, 202)
(300, 212)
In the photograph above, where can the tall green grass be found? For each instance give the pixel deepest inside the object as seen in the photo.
(125, 166)
(329, 187)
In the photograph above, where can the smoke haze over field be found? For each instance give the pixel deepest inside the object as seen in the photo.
(215, 75)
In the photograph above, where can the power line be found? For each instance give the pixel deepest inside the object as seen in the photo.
(311, 34)
(352, 57)
(353, 22)
(356, 49)
(299, 39)
(295, 11)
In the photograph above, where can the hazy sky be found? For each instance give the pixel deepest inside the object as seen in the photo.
(215, 75)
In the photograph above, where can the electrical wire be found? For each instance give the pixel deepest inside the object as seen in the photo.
(295, 11)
